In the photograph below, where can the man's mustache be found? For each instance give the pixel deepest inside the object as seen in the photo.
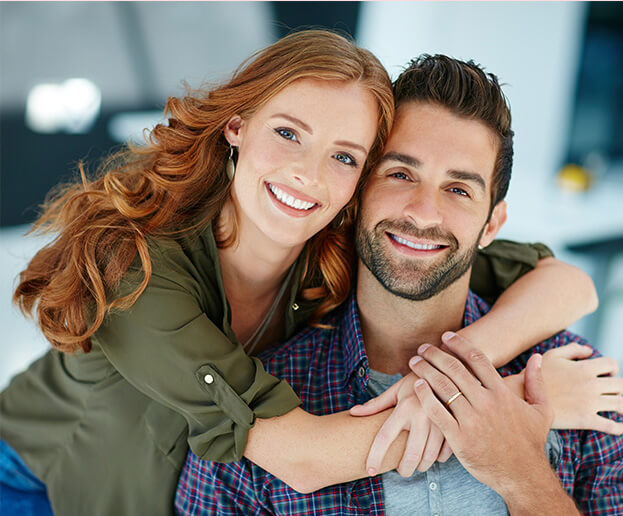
(408, 229)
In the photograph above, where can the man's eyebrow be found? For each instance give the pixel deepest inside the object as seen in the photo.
(473, 177)
(294, 120)
(402, 158)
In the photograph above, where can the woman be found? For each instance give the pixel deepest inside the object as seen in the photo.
(230, 229)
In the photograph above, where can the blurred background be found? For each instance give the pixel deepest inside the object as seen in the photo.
(77, 79)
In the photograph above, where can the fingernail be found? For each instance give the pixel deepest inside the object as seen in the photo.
(539, 361)
(414, 361)
(448, 336)
(371, 472)
(423, 348)
(419, 383)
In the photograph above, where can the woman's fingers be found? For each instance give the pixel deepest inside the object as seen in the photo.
(605, 425)
(602, 366)
(610, 403)
(610, 385)
(572, 351)
(384, 438)
(445, 453)
(432, 450)
(382, 402)
(417, 442)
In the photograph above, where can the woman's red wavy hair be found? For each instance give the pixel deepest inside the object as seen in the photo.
(176, 185)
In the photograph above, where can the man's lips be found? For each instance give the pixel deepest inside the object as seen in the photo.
(415, 244)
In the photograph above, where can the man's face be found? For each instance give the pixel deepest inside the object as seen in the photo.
(425, 207)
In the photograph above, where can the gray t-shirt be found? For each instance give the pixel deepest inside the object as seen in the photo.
(445, 489)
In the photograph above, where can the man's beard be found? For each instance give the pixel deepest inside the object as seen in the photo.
(408, 278)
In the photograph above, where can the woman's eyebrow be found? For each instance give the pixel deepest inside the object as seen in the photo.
(352, 145)
(294, 120)
(308, 129)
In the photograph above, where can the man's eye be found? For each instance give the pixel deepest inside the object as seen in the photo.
(460, 191)
(346, 159)
(400, 175)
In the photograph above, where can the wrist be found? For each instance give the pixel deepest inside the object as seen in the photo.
(480, 340)
(537, 492)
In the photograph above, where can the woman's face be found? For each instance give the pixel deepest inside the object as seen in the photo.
(300, 157)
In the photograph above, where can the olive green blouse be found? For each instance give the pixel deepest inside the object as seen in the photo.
(106, 431)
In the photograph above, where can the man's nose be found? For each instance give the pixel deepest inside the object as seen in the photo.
(424, 208)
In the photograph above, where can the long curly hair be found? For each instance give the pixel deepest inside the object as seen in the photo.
(176, 184)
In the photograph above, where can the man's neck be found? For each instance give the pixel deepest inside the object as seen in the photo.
(393, 327)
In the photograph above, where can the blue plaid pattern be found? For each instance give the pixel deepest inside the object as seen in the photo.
(329, 371)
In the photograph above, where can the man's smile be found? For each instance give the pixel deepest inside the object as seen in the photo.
(415, 245)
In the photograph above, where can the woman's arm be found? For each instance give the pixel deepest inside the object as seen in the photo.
(310, 452)
(537, 305)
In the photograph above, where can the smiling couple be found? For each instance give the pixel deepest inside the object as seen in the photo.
(235, 227)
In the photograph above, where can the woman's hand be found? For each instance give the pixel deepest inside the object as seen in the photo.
(425, 443)
(578, 389)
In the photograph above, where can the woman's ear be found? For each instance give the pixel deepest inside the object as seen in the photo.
(234, 130)
(495, 223)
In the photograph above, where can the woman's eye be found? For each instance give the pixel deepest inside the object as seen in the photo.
(288, 134)
(346, 159)
(460, 191)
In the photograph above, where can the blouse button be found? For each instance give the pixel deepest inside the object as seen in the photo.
(295, 307)
(208, 378)
(361, 372)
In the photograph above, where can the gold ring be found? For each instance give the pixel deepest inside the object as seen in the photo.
(453, 398)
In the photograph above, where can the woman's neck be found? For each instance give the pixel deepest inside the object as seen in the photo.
(253, 271)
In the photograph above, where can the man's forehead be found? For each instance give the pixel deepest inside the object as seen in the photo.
(425, 131)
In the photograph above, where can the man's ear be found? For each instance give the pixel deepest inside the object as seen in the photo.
(233, 131)
(496, 221)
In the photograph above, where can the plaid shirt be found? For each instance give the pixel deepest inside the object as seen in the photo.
(329, 371)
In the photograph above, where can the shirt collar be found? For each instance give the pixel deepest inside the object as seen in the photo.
(355, 358)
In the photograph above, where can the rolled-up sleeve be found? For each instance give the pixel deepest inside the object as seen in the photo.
(168, 348)
(502, 263)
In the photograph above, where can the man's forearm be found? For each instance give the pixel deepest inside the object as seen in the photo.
(537, 493)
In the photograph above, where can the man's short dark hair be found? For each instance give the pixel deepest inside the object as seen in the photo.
(466, 90)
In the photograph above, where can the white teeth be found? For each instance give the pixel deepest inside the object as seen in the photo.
(285, 198)
(421, 247)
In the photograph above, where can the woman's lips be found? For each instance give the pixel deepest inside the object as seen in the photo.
(291, 201)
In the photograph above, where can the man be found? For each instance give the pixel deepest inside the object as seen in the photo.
(436, 195)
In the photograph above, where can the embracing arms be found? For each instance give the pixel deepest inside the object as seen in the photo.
(168, 348)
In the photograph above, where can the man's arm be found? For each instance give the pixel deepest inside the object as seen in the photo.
(481, 425)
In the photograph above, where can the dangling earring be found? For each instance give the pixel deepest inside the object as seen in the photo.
(338, 221)
(230, 166)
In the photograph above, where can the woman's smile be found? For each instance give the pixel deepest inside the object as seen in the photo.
(291, 201)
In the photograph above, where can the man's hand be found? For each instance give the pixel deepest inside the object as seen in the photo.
(498, 438)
